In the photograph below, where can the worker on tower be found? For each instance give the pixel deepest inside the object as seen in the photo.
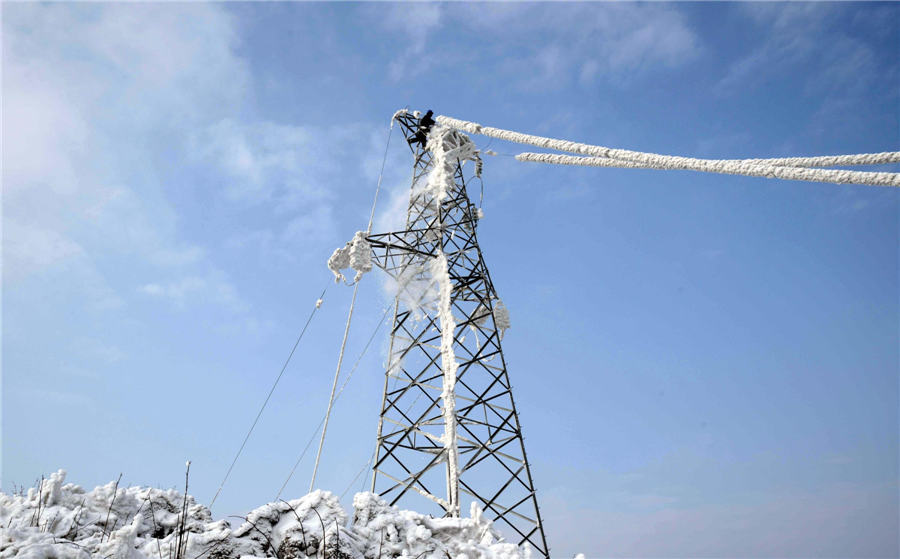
(425, 124)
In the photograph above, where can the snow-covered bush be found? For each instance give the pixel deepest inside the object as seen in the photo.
(58, 520)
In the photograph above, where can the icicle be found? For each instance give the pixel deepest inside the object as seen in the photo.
(441, 275)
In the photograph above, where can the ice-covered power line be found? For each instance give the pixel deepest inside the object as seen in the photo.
(727, 167)
(853, 160)
(790, 168)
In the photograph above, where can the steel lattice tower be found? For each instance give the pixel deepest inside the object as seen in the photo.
(412, 455)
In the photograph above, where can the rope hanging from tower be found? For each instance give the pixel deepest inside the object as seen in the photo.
(358, 255)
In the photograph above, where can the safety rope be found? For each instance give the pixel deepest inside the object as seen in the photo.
(380, 176)
(790, 168)
(271, 390)
(337, 371)
(359, 473)
(337, 396)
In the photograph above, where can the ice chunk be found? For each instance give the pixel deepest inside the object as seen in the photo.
(501, 317)
(356, 254)
(449, 366)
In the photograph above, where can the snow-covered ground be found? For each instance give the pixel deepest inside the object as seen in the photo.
(59, 520)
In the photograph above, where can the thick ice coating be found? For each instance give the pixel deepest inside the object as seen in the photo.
(356, 254)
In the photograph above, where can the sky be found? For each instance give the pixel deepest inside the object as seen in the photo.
(705, 365)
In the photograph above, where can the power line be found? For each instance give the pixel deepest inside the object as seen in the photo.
(263, 407)
(337, 373)
(336, 397)
(790, 168)
(727, 167)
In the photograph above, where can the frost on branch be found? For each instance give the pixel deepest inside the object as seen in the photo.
(64, 521)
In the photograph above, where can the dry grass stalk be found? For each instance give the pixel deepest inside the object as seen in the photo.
(109, 510)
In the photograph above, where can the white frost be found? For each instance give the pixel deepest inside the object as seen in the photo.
(789, 168)
(448, 147)
(339, 260)
(448, 366)
(143, 524)
(356, 254)
(360, 255)
(501, 317)
(401, 112)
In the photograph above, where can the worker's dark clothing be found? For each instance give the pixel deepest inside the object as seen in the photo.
(425, 124)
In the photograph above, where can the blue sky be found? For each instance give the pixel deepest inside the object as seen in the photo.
(705, 365)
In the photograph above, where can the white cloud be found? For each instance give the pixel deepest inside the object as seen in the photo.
(294, 173)
(32, 248)
(263, 161)
(27, 248)
(210, 288)
(393, 209)
(538, 45)
(415, 20)
(393, 201)
(92, 94)
(815, 50)
(550, 63)
(270, 160)
(548, 44)
(418, 21)
(313, 226)
(801, 34)
(114, 114)
(645, 37)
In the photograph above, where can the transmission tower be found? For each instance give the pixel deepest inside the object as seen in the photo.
(449, 426)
